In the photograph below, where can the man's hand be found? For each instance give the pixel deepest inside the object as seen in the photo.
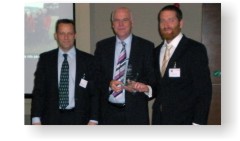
(140, 87)
(116, 85)
(136, 86)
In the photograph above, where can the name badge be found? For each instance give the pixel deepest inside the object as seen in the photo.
(83, 83)
(174, 72)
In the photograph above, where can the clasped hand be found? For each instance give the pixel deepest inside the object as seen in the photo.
(132, 86)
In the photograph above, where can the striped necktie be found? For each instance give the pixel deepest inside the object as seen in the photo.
(121, 66)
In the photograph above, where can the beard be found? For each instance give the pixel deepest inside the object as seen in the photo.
(169, 34)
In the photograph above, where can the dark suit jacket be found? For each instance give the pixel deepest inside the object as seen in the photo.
(45, 92)
(186, 99)
(141, 59)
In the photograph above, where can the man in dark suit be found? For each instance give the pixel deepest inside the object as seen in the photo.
(79, 91)
(184, 90)
(121, 57)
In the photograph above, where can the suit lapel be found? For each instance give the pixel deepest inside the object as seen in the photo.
(157, 58)
(80, 67)
(133, 50)
(178, 52)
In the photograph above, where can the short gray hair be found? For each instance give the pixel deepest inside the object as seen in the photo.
(124, 8)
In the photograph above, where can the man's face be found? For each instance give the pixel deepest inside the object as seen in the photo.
(122, 23)
(65, 36)
(169, 25)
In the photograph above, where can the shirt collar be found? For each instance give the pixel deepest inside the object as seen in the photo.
(175, 41)
(127, 40)
(71, 52)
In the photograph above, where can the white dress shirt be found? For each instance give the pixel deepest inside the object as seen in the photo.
(118, 46)
(174, 44)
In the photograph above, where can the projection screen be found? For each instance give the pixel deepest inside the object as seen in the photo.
(39, 27)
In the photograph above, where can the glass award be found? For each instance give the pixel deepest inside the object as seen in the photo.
(131, 78)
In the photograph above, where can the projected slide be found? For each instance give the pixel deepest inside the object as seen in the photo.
(39, 28)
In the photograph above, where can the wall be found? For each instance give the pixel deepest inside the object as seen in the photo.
(93, 22)
(145, 20)
(27, 111)
(82, 17)
(211, 38)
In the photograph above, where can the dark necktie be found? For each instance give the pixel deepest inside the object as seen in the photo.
(64, 84)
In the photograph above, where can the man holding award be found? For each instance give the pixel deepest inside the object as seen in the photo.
(125, 73)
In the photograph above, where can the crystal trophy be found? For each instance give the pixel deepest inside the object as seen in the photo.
(131, 78)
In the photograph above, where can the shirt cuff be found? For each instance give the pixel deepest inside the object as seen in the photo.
(149, 93)
(94, 121)
(194, 123)
(36, 120)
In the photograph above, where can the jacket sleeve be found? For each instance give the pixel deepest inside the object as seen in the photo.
(38, 93)
(93, 91)
(202, 84)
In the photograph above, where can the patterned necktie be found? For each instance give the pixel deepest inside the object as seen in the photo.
(64, 84)
(120, 69)
(165, 59)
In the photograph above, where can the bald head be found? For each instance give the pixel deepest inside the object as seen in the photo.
(125, 9)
